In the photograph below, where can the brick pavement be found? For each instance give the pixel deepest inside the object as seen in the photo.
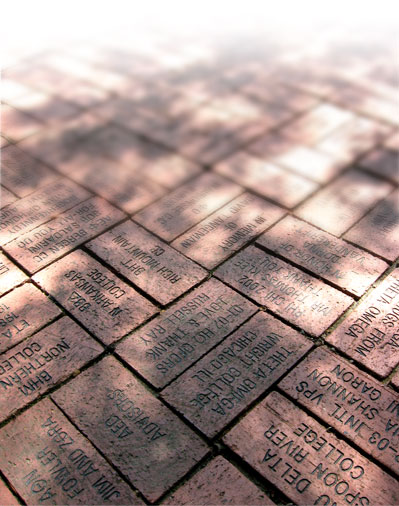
(198, 276)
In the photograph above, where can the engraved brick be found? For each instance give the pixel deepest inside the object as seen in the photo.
(299, 298)
(6, 197)
(7, 498)
(41, 246)
(224, 382)
(352, 402)
(22, 174)
(101, 301)
(10, 275)
(317, 123)
(22, 312)
(395, 380)
(16, 125)
(134, 430)
(29, 369)
(268, 179)
(323, 254)
(147, 261)
(368, 333)
(169, 344)
(39, 207)
(187, 205)
(49, 462)
(343, 202)
(227, 230)
(305, 461)
(382, 162)
(219, 483)
(378, 231)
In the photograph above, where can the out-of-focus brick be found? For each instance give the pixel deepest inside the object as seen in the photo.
(338, 206)
(10, 275)
(368, 333)
(22, 174)
(349, 400)
(47, 460)
(106, 305)
(219, 483)
(299, 298)
(382, 162)
(22, 312)
(187, 205)
(269, 180)
(305, 461)
(224, 382)
(38, 207)
(39, 247)
(6, 197)
(174, 340)
(378, 231)
(169, 169)
(323, 254)
(16, 125)
(40, 362)
(226, 230)
(135, 431)
(392, 142)
(148, 262)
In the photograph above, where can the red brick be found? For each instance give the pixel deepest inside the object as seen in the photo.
(368, 333)
(323, 254)
(155, 267)
(299, 298)
(102, 302)
(395, 380)
(305, 461)
(392, 142)
(10, 275)
(269, 180)
(22, 312)
(378, 231)
(219, 483)
(6, 197)
(171, 343)
(41, 246)
(338, 206)
(3, 142)
(16, 125)
(134, 430)
(187, 205)
(118, 184)
(32, 367)
(352, 402)
(382, 162)
(169, 169)
(227, 230)
(224, 382)
(39, 207)
(7, 498)
(81, 94)
(22, 174)
(317, 123)
(48, 461)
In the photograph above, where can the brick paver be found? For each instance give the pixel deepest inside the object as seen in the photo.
(199, 246)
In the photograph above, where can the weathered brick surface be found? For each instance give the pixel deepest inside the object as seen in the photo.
(349, 400)
(36, 249)
(22, 312)
(323, 254)
(146, 261)
(343, 202)
(138, 434)
(226, 230)
(219, 483)
(49, 462)
(10, 275)
(101, 301)
(369, 333)
(41, 361)
(179, 336)
(187, 205)
(7, 498)
(289, 292)
(216, 389)
(305, 461)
